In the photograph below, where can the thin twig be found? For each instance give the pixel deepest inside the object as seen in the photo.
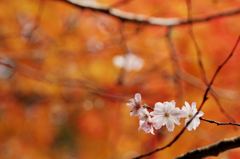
(212, 121)
(76, 83)
(176, 66)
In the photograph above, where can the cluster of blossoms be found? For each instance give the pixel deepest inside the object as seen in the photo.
(163, 114)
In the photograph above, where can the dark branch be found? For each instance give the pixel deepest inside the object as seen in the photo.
(140, 18)
(212, 150)
(212, 121)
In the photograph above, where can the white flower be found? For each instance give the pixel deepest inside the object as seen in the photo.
(144, 115)
(166, 114)
(147, 126)
(135, 104)
(129, 62)
(189, 113)
(145, 121)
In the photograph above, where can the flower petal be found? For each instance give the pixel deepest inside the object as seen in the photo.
(155, 113)
(170, 125)
(200, 114)
(169, 106)
(175, 120)
(135, 112)
(130, 105)
(151, 130)
(159, 106)
(184, 111)
(164, 121)
(177, 113)
(194, 105)
(158, 120)
(188, 107)
(138, 97)
(132, 100)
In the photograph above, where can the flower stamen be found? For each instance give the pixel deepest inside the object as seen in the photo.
(166, 115)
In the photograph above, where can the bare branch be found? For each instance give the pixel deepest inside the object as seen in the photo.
(176, 66)
(140, 18)
(212, 150)
(223, 93)
(80, 83)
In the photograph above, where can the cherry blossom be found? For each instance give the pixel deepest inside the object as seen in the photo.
(144, 115)
(147, 126)
(145, 121)
(166, 114)
(129, 62)
(189, 113)
(135, 104)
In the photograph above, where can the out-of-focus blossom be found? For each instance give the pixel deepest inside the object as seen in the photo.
(166, 114)
(189, 113)
(6, 72)
(30, 33)
(135, 104)
(129, 62)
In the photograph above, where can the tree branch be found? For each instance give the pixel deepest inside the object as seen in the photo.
(140, 18)
(212, 150)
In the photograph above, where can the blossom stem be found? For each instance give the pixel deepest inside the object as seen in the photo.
(148, 107)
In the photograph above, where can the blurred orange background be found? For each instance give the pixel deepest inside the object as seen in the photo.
(66, 74)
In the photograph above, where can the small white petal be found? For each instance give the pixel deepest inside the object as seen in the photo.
(188, 107)
(200, 114)
(184, 111)
(144, 115)
(194, 111)
(158, 121)
(177, 113)
(167, 107)
(193, 105)
(130, 105)
(190, 127)
(159, 106)
(133, 113)
(197, 122)
(170, 125)
(132, 100)
(175, 120)
(151, 130)
(164, 121)
(138, 97)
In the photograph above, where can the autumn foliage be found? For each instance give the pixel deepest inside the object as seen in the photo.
(68, 70)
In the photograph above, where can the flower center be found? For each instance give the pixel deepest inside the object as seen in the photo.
(166, 115)
(190, 115)
(137, 105)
